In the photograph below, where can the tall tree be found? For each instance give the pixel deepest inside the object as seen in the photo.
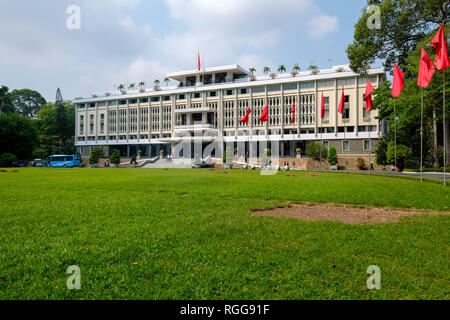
(26, 102)
(17, 136)
(404, 23)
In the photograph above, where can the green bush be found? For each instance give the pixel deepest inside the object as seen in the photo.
(316, 150)
(332, 156)
(381, 151)
(403, 152)
(95, 155)
(115, 157)
(6, 159)
(411, 164)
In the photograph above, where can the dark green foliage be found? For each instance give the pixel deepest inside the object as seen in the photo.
(95, 155)
(6, 159)
(403, 152)
(403, 25)
(380, 152)
(316, 150)
(17, 136)
(26, 102)
(332, 156)
(115, 157)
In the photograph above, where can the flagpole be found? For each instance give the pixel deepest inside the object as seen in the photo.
(421, 135)
(395, 140)
(445, 137)
(370, 144)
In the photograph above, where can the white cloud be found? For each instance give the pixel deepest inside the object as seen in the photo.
(322, 25)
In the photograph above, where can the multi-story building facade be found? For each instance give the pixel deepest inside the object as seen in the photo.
(208, 104)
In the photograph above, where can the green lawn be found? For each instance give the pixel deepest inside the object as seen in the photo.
(190, 234)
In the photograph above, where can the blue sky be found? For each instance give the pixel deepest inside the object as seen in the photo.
(124, 41)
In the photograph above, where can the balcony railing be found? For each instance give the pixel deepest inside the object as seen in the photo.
(202, 126)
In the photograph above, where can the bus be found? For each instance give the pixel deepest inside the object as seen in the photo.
(64, 161)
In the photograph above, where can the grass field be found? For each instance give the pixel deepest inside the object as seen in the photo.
(190, 234)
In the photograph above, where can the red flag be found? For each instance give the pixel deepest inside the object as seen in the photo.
(265, 114)
(245, 118)
(198, 61)
(442, 62)
(293, 112)
(342, 103)
(398, 83)
(426, 70)
(322, 107)
(368, 96)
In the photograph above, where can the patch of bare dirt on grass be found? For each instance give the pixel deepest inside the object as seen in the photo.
(343, 213)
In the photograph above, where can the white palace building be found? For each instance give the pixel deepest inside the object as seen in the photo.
(206, 106)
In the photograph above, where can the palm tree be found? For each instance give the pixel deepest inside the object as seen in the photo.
(295, 70)
(281, 68)
(167, 81)
(266, 70)
(252, 71)
(131, 86)
(156, 82)
(120, 87)
(141, 84)
(314, 69)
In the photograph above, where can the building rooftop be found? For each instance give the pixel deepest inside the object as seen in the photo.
(234, 68)
(336, 72)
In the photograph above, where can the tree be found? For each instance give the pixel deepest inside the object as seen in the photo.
(6, 159)
(380, 152)
(282, 68)
(115, 157)
(266, 70)
(252, 71)
(121, 87)
(3, 96)
(316, 150)
(131, 86)
(403, 152)
(313, 68)
(403, 25)
(26, 102)
(54, 138)
(332, 157)
(296, 68)
(141, 84)
(18, 136)
(95, 155)
(167, 81)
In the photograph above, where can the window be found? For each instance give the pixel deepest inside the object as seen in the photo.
(346, 114)
(307, 85)
(143, 100)
(258, 89)
(345, 145)
(228, 92)
(346, 82)
(367, 145)
(290, 86)
(166, 98)
(325, 84)
(91, 124)
(366, 114)
(196, 95)
(154, 99)
(326, 108)
(112, 103)
(81, 124)
(212, 94)
(181, 97)
(243, 91)
(273, 88)
(122, 102)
